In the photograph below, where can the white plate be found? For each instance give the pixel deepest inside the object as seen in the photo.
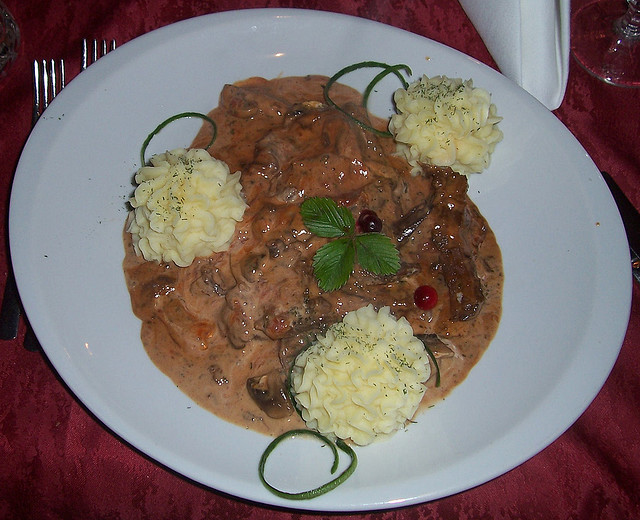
(566, 296)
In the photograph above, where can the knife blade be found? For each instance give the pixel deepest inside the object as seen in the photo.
(630, 219)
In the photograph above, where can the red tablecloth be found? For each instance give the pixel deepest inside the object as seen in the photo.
(57, 461)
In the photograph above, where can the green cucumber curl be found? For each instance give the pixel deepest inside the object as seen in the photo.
(171, 119)
(324, 488)
(386, 70)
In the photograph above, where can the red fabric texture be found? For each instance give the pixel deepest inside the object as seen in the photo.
(58, 462)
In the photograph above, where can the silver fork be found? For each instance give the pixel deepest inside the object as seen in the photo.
(97, 50)
(48, 80)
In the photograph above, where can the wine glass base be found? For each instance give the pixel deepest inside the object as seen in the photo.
(598, 47)
(9, 39)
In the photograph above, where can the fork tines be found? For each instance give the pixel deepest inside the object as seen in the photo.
(48, 80)
(97, 50)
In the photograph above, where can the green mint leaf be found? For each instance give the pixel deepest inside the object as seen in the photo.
(333, 263)
(377, 254)
(323, 217)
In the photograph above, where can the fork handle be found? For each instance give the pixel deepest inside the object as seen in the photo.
(10, 310)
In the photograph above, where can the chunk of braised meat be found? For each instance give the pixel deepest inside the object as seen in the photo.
(159, 286)
(267, 302)
(211, 280)
(407, 224)
(315, 136)
(193, 335)
(410, 218)
(268, 391)
(279, 325)
(457, 239)
(407, 270)
(247, 102)
(359, 142)
(237, 317)
(151, 285)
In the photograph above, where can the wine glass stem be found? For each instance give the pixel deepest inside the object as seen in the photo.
(629, 25)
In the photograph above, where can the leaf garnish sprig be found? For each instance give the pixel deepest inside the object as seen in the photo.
(334, 262)
(386, 70)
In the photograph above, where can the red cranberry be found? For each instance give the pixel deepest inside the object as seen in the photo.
(425, 297)
(369, 222)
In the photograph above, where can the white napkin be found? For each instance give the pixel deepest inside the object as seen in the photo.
(529, 40)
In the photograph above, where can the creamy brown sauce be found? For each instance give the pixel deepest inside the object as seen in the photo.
(244, 314)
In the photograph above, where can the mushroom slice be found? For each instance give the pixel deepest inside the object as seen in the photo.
(439, 347)
(269, 393)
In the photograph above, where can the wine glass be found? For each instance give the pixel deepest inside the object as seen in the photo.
(605, 40)
(9, 39)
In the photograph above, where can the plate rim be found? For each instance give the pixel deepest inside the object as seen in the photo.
(219, 18)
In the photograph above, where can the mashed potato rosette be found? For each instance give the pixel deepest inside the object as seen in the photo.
(364, 379)
(445, 122)
(186, 205)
